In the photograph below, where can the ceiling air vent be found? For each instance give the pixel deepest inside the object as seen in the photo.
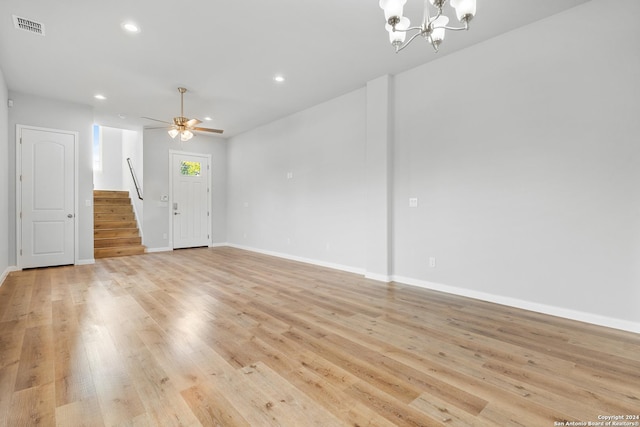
(28, 25)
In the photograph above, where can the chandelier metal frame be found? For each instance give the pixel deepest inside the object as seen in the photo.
(432, 28)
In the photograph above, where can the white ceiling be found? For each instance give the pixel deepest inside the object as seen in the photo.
(225, 53)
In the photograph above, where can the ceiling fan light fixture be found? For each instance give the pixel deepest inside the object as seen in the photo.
(183, 125)
(186, 135)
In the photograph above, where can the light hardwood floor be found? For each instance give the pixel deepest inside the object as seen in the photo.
(223, 337)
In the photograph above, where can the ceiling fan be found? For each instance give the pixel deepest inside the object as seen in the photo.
(182, 125)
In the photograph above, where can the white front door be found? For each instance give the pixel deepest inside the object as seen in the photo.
(46, 217)
(190, 199)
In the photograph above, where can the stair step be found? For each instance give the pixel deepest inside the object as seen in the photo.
(98, 217)
(113, 209)
(104, 225)
(110, 193)
(110, 242)
(118, 251)
(111, 201)
(115, 229)
(124, 232)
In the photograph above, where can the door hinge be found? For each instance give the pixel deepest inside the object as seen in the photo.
(20, 177)
(20, 252)
(20, 140)
(20, 215)
(207, 213)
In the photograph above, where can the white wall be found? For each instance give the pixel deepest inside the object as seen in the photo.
(109, 177)
(4, 179)
(318, 213)
(33, 110)
(524, 154)
(157, 144)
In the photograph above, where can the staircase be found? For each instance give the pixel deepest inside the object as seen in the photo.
(115, 228)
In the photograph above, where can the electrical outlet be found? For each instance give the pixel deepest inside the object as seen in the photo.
(413, 202)
(164, 236)
(432, 262)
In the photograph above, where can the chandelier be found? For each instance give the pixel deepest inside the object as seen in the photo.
(433, 25)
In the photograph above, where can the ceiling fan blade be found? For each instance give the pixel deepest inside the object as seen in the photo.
(208, 130)
(193, 122)
(156, 120)
(158, 127)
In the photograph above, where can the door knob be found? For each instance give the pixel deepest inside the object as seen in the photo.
(69, 215)
(176, 213)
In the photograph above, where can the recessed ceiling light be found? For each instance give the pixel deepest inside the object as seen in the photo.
(100, 97)
(130, 27)
(279, 78)
(208, 118)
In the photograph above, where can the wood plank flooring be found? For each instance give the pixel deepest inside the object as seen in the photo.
(224, 337)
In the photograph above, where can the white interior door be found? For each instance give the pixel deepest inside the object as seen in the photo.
(190, 200)
(46, 232)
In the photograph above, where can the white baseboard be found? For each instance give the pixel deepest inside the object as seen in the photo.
(150, 250)
(580, 316)
(218, 245)
(378, 277)
(6, 272)
(334, 266)
(86, 261)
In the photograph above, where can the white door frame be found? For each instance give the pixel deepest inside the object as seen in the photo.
(171, 198)
(19, 129)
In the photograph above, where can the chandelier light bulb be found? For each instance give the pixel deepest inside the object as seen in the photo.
(392, 8)
(400, 34)
(438, 24)
(465, 9)
(173, 133)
